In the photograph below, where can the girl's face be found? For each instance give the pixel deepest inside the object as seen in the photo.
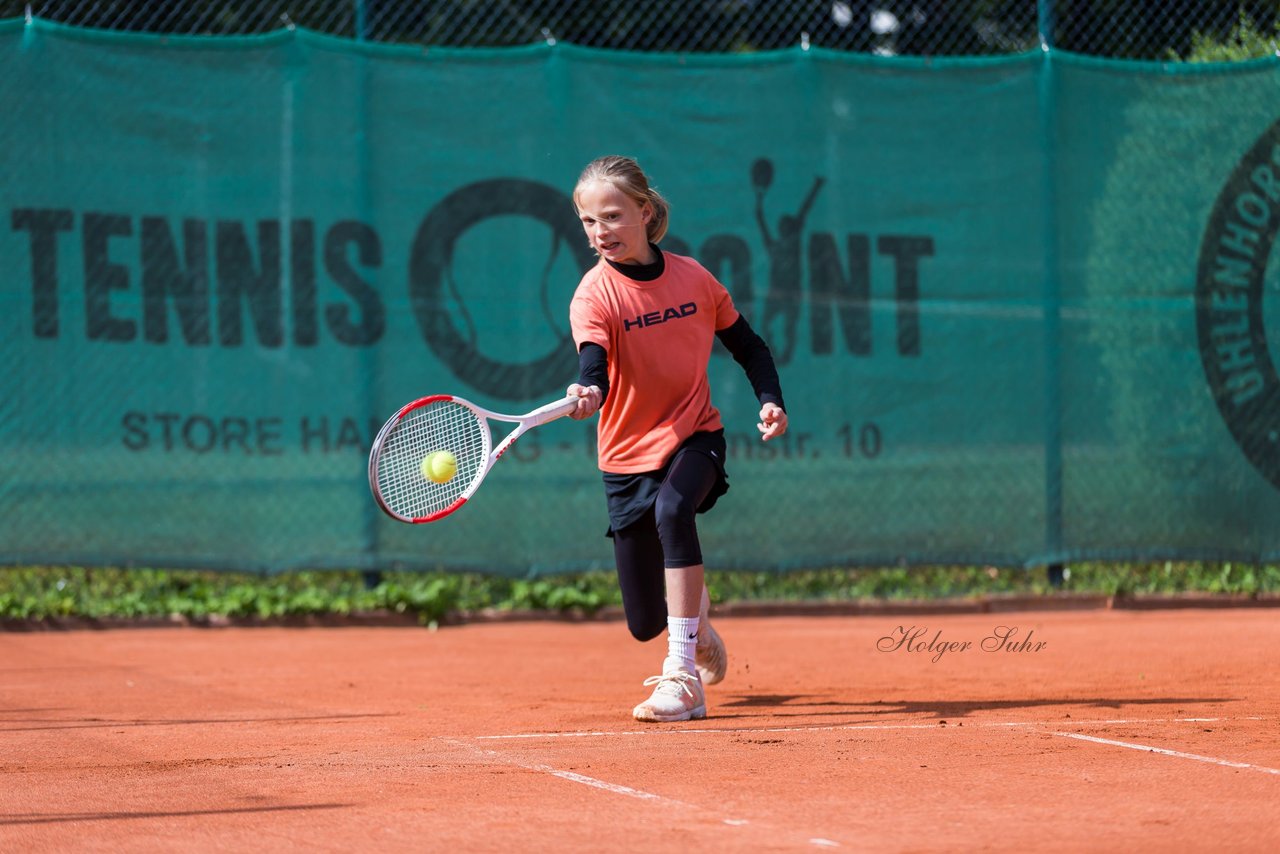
(616, 226)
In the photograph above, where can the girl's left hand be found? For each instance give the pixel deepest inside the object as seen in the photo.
(773, 421)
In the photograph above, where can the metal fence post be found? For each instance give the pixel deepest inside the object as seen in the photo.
(1052, 302)
(372, 572)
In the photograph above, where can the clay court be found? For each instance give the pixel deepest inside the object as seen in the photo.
(1123, 730)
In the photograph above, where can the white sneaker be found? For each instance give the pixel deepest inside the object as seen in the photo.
(677, 697)
(712, 659)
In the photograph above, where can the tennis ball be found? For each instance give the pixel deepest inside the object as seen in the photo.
(439, 467)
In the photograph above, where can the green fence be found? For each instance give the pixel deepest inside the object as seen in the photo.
(1022, 305)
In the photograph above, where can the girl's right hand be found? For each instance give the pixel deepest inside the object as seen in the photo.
(588, 400)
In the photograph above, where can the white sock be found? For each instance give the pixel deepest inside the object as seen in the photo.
(682, 639)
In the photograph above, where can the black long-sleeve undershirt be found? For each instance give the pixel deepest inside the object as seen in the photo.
(747, 348)
(593, 368)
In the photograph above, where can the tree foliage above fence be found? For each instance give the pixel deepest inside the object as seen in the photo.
(1152, 29)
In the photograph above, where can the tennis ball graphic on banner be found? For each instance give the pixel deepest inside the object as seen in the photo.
(439, 467)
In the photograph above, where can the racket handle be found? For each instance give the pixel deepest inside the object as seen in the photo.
(552, 411)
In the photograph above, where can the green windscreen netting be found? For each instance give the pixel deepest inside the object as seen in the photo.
(1023, 308)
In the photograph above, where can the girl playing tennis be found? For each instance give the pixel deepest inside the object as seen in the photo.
(644, 322)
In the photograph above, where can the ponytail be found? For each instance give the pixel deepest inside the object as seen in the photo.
(657, 227)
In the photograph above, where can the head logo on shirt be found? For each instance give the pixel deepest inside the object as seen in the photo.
(654, 317)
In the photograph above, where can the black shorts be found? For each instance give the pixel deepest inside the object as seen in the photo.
(631, 496)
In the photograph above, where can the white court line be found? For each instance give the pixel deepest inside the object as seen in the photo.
(569, 775)
(615, 788)
(592, 781)
(847, 727)
(695, 731)
(1146, 748)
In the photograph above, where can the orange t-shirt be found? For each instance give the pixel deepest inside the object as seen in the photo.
(658, 336)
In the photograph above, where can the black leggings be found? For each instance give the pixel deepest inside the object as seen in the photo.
(665, 537)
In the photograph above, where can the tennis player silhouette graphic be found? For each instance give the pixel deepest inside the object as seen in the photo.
(786, 292)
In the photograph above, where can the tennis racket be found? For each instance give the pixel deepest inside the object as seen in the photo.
(442, 423)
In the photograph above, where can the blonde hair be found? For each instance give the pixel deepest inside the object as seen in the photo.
(625, 174)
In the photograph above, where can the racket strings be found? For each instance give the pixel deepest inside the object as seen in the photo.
(439, 426)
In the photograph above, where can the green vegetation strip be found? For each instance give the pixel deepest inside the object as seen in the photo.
(51, 593)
